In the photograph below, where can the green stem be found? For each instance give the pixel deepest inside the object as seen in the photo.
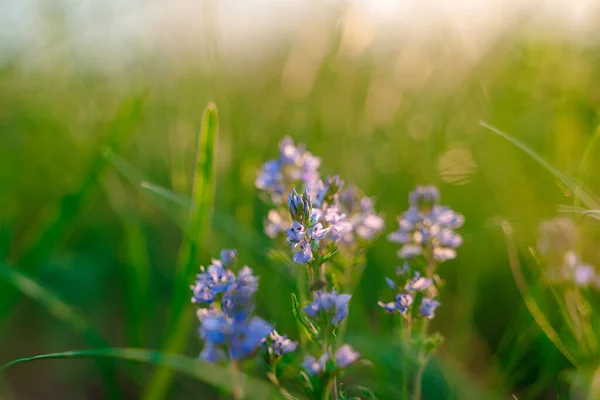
(407, 335)
(238, 390)
(326, 393)
(422, 357)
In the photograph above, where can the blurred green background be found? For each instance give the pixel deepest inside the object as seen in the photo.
(385, 109)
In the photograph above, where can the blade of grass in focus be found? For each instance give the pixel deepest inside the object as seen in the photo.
(241, 237)
(573, 186)
(66, 313)
(530, 302)
(64, 214)
(212, 374)
(203, 190)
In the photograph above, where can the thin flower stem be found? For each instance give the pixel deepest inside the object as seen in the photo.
(303, 291)
(335, 388)
(422, 357)
(277, 384)
(238, 390)
(407, 336)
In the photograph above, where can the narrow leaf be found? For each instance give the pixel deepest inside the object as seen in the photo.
(212, 374)
(61, 310)
(199, 215)
(572, 185)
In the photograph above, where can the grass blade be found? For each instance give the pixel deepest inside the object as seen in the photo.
(212, 374)
(66, 313)
(199, 216)
(573, 186)
(530, 302)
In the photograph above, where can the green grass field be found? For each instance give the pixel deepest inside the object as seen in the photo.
(90, 245)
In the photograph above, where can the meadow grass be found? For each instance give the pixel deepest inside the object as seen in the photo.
(106, 211)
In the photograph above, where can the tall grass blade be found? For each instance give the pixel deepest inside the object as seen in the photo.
(241, 237)
(212, 374)
(530, 302)
(66, 313)
(572, 185)
(199, 216)
(63, 215)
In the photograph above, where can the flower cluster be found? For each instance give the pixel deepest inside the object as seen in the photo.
(417, 286)
(227, 325)
(278, 345)
(329, 308)
(306, 231)
(349, 215)
(294, 165)
(428, 227)
(557, 244)
(343, 357)
(330, 305)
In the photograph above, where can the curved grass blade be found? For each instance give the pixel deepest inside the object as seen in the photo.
(213, 374)
(63, 215)
(573, 186)
(198, 221)
(69, 315)
(240, 236)
(530, 302)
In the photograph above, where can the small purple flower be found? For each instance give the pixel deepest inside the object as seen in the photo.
(228, 257)
(418, 282)
(281, 344)
(329, 303)
(428, 307)
(275, 224)
(345, 356)
(248, 337)
(341, 308)
(215, 328)
(403, 302)
(583, 274)
(391, 284)
(294, 166)
(389, 307)
(318, 233)
(403, 270)
(211, 353)
(314, 366)
(295, 233)
(303, 252)
(424, 197)
(410, 251)
(227, 322)
(442, 254)
(337, 222)
(427, 224)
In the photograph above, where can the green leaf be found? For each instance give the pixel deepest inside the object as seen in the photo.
(61, 310)
(306, 328)
(199, 216)
(365, 391)
(573, 186)
(212, 374)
